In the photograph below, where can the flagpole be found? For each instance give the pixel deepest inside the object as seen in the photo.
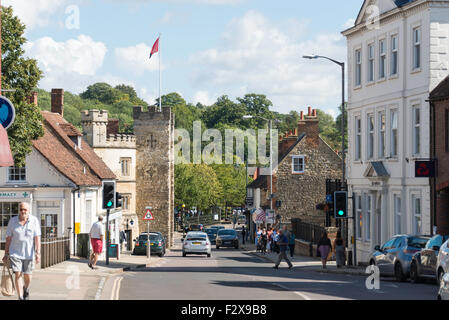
(160, 76)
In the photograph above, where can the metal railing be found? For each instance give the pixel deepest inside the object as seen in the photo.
(54, 251)
(307, 231)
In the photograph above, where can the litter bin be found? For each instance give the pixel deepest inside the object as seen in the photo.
(114, 250)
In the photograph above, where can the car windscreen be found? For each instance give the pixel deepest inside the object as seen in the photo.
(226, 233)
(417, 242)
(153, 237)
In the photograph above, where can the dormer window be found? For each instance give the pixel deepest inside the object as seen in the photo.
(298, 164)
(16, 174)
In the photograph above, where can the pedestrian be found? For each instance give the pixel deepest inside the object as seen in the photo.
(258, 233)
(291, 243)
(269, 239)
(283, 243)
(22, 248)
(275, 240)
(324, 247)
(339, 250)
(264, 239)
(96, 239)
(243, 234)
(122, 239)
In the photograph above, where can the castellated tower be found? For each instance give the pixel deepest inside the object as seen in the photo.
(154, 132)
(94, 124)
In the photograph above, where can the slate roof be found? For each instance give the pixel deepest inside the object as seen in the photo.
(378, 168)
(441, 92)
(82, 166)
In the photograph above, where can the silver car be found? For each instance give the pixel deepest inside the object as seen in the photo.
(443, 293)
(196, 243)
(395, 256)
(443, 261)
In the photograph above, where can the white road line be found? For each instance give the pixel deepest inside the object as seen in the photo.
(113, 291)
(295, 292)
(117, 291)
(100, 288)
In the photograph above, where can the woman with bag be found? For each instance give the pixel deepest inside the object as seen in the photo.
(324, 247)
(339, 250)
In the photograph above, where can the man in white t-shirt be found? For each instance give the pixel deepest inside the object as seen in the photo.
(96, 239)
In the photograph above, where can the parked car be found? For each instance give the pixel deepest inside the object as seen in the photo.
(443, 293)
(157, 244)
(196, 227)
(395, 256)
(424, 263)
(443, 261)
(196, 243)
(227, 238)
(212, 234)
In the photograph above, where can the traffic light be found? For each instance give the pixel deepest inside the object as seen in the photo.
(108, 194)
(118, 200)
(340, 204)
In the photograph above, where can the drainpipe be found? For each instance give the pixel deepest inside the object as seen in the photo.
(74, 212)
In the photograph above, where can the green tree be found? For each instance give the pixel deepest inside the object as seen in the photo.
(256, 104)
(22, 75)
(171, 100)
(104, 93)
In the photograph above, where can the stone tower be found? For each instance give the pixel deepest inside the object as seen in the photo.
(154, 131)
(95, 124)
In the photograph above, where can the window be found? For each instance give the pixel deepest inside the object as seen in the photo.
(416, 48)
(368, 218)
(126, 199)
(382, 128)
(370, 63)
(16, 174)
(394, 133)
(397, 214)
(359, 214)
(416, 130)
(7, 211)
(394, 55)
(298, 164)
(358, 68)
(358, 138)
(417, 222)
(370, 136)
(382, 59)
(125, 164)
(389, 244)
(49, 211)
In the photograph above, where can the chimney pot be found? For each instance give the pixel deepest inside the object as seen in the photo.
(314, 113)
(57, 101)
(310, 111)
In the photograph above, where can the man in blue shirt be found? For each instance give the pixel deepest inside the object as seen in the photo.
(23, 247)
(283, 243)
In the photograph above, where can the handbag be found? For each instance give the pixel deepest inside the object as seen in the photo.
(7, 283)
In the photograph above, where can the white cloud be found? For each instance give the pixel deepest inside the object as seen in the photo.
(259, 56)
(38, 13)
(136, 59)
(203, 98)
(349, 23)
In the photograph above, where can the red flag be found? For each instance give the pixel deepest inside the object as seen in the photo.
(155, 48)
(6, 159)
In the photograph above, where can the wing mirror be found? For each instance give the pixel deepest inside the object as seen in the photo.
(436, 248)
(377, 248)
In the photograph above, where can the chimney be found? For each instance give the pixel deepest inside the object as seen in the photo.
(310, 127)
(57, 101)
(112, 127)
(32, 99)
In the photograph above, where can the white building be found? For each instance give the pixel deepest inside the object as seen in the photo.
(397, 53)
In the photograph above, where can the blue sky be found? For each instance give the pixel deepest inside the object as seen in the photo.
(208, 47)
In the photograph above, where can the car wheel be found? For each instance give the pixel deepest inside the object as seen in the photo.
(398, 273)
(414, 277)
(208, 255)
(161, 254)
(217, 247)
(184, 254)
(440, 276)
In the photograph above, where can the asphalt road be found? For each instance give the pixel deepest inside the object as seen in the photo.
(238, 275)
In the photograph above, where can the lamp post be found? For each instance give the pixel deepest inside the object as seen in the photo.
(342, 65)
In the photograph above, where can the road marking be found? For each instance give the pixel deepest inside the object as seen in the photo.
(117, 295)
(295, 292)
(114, 288)
(100, 288)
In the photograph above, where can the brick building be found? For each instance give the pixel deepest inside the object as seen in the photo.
(299, 180)
(439, 104)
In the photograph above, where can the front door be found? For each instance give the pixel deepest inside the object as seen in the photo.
(129, 240)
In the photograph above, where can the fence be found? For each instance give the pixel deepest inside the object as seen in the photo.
(54, 251)
(307, 231)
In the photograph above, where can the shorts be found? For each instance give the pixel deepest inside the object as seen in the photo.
(97, 245)
(22, 266)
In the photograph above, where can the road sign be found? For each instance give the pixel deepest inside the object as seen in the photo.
(329, 198)
(7, 112)
(425, 169)
(148, 215)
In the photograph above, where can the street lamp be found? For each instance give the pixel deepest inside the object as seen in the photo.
(342, 65)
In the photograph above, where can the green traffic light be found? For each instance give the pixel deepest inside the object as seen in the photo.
(341, 213)
(110, 204)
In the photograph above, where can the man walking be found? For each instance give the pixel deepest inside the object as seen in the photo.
(283, 243)
(243, 234)
(96, 239)
(22, 248)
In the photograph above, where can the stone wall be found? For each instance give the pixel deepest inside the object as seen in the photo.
(155, 168)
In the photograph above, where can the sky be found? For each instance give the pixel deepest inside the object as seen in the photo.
(208, 48)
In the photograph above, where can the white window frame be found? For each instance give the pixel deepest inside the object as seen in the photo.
(394, 133)
(397, 214)
(303, 164)
(370, 130)
(358, 68)
(125, 167)
(359, 216)
(15, 171)
(417, 56)
(416, 134)
(358, 138)
(417, 214)
(367, 218)
(382, 133)
(371, 63)
(382, 59)
(394, 55)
